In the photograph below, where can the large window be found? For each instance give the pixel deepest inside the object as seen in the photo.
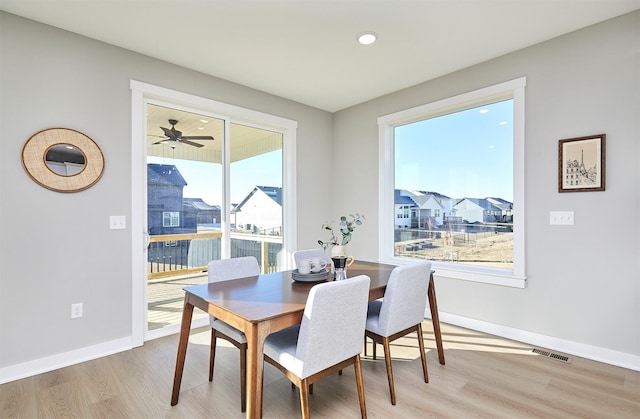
(455, 185)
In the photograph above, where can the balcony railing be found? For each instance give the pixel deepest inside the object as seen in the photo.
(179, 254)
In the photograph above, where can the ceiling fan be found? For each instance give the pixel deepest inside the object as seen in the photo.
(174, 136)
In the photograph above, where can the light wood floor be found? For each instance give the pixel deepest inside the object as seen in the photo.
(484, 376)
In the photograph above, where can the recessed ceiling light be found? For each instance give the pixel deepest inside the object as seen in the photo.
(367, 38)
(204, 121)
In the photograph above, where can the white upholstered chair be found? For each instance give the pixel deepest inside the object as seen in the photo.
(399, 313)
(225, 270)
(310, 254)
(328, 339)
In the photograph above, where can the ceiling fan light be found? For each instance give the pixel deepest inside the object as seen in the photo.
(367, 38)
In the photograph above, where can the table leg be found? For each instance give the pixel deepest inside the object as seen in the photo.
(185, 328)
(435, 319)
(256, 335)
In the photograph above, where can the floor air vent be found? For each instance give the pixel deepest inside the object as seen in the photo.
(551, 355)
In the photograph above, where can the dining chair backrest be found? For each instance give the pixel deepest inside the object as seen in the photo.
(333, 323)
(405, 298)
(309, 254)
(227, 269)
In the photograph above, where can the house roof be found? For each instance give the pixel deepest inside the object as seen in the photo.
(199, 204)
(164, 174)
(272, 192)
(481, 202)
(500, 203)
(402, 198)
(436, 194)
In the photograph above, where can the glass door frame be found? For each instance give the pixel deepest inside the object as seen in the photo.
(143, 93)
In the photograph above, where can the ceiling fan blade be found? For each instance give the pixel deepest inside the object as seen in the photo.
(161, 141)
(191, 143)
(197, 137)
(169, 133)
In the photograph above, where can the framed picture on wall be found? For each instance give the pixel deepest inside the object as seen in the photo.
(581, 164)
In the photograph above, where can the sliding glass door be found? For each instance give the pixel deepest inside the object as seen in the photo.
(214, 189)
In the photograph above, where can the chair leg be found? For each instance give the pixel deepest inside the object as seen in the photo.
(360, 383)
(243, 378)
(304, 399)
(387, 359)
(365, 345)
(212, 354)
(293, 386)
(423, 355)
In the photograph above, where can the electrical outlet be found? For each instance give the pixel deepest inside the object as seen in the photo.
(76, 310)
(561, 218)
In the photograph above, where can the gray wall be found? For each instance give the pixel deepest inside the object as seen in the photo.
(583, 280)
(56, 249)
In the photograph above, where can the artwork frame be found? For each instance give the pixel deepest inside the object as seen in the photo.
(582, 164)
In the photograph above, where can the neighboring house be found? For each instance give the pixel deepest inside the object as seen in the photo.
(404, 206)
(168, 211)
(506, 209)
(260, 211)
(477, 210)
(421, 209)
(432, 208)
(198, 212)
(164, 200)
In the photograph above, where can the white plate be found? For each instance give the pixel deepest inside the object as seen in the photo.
(310, 277)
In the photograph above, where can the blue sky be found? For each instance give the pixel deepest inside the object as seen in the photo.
(204, 180)
(466, 154)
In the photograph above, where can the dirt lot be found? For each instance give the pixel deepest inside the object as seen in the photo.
(486, 249)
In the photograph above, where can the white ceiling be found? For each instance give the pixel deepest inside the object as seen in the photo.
(306, 50)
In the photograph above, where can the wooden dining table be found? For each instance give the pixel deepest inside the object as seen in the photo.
(266, 303)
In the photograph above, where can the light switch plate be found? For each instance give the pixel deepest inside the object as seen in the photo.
(561, 218)
(117, 222)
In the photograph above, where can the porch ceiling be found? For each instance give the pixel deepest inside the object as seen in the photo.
(245, 141)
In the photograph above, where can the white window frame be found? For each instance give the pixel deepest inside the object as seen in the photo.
(173, 216)
(513, 89)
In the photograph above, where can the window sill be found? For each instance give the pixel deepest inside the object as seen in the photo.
(502, 277)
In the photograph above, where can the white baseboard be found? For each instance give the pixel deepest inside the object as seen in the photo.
(54, 362)
(608, 356)
(595, 353)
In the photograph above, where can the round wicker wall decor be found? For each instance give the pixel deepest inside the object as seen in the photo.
(63, 160)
